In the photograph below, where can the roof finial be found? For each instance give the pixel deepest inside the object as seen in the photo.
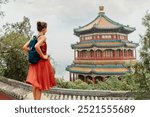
(101, 9)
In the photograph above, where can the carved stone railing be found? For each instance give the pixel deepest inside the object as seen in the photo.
(21, 91)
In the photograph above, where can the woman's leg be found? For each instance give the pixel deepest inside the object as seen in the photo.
(38, 93)
(34, 92)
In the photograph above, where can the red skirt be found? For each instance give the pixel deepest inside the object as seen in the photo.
(41, 75)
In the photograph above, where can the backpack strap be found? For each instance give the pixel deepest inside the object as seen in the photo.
(39, 36)
(36, 36)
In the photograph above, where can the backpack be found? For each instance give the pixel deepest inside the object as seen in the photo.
(33, 56)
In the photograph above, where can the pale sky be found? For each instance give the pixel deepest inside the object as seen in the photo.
(63, 16)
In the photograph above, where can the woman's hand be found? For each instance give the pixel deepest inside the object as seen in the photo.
(41, 39)
(25, 47)
(45, 57)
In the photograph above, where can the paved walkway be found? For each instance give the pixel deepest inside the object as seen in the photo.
(30, 97)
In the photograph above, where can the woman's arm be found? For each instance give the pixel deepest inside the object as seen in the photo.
(25, 47)
(38, 49)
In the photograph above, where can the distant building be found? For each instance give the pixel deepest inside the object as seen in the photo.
(102, 51)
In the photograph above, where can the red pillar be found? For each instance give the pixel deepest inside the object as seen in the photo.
(93, 79)
(94, 54)
(70, 77)
(73, 77)
(115, 54)
(77, 55)
(84, 78)
(76, 77)
(103, 54)
(135, 53)
(74, 54)
(132, 54)
(123, 54)
(81, 55)
(88, 54)
(127, 54)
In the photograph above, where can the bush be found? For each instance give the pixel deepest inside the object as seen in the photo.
(111, 84)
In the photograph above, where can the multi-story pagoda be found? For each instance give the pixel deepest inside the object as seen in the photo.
(103, 50)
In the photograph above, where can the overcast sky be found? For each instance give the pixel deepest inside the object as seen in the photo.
(63, 16)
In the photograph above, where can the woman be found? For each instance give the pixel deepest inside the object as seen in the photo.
(40, 75)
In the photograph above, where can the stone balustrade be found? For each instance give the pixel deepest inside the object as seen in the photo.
(22, 91)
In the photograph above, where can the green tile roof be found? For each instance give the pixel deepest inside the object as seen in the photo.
(103, 24)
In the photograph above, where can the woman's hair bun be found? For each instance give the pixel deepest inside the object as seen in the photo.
(41, 25)
(38, 23)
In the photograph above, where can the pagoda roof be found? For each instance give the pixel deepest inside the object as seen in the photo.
(104, 44)
(98, 69)
(102, 23)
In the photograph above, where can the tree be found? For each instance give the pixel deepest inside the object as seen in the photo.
(2, 2)
(13, 60)
(142, 69)
(145, 41)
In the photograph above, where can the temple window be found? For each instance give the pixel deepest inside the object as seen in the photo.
(125, 53)
(90, 37)
(109, 53)
(114, 36)
(98, 53)
(91, 53)
(130, 53)
(84, 53)
(118, 53)
(122, 37)
(106, 36)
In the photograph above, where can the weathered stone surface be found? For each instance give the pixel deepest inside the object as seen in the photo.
(23, 91)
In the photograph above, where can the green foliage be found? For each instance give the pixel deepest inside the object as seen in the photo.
(142, 69)
(111, 83)
(138, 81)
(16, 65)
(23, 27)
(2, 2)
(13, 60)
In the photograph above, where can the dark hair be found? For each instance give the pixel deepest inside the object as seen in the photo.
(41, 25)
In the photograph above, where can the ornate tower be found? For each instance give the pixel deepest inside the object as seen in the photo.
(102, 50)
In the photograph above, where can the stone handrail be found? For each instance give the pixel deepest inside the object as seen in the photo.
(20, 90)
